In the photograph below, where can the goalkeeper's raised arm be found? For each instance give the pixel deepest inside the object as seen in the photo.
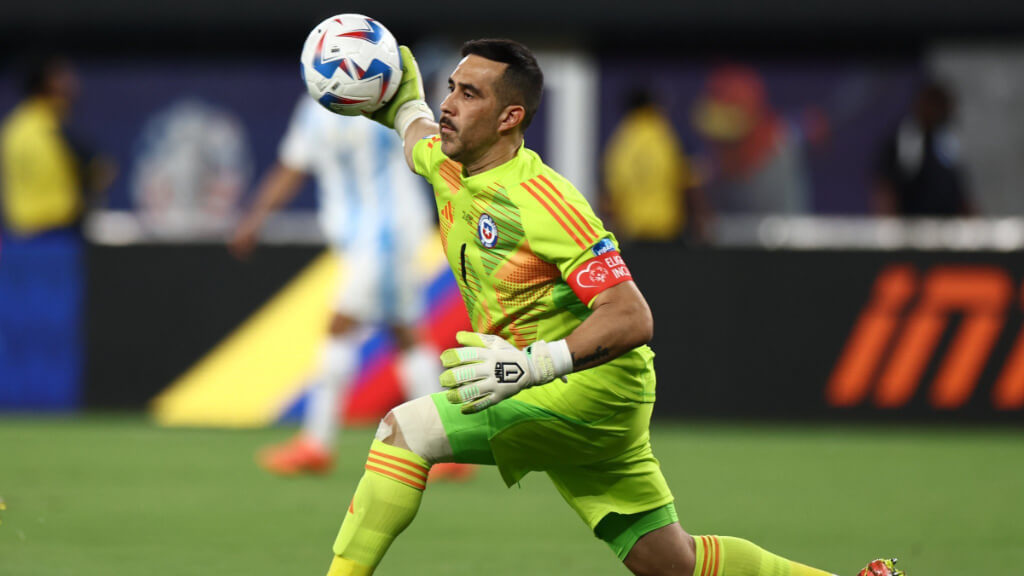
(408, 112)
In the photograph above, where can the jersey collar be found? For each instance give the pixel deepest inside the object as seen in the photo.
(498, 171)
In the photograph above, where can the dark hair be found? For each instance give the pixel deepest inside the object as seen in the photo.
(522, 82)
(37, 70)
(640, 98)
(935, 104)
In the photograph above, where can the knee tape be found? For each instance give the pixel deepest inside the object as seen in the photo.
(422, 429)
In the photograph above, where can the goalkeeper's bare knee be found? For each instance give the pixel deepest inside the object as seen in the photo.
(416, 426)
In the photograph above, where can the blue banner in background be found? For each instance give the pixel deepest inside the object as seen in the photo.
(135, 110)
(41, 304)
(166, 123)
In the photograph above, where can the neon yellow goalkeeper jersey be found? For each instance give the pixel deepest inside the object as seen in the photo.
(528, 253)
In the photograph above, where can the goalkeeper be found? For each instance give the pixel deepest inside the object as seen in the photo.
(558, 377)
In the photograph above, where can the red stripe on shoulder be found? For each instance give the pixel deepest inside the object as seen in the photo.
(593, 234)
(559, 201)
(540, 198)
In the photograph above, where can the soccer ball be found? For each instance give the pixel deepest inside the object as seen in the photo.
(351, 65)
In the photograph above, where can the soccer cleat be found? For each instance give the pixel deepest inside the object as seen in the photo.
(451, 472)
(299, 455)
(881, 567)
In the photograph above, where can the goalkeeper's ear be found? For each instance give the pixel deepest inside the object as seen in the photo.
(512, 117)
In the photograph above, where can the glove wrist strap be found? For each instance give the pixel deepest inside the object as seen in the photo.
(560, 357)
(550, 360)
(410, 112)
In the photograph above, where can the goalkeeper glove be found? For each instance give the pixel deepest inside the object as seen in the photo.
(409, 103)
(488, 369)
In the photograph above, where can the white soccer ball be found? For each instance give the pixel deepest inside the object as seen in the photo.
(351, 64)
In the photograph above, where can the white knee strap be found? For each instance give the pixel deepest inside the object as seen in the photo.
(422, 429)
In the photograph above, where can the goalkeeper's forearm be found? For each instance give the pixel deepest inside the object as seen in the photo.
(621, 320)
(417, 130)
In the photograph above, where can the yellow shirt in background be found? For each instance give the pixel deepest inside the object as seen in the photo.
(39, 180)
(646, 174)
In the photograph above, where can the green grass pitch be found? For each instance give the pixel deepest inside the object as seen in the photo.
(117, 496)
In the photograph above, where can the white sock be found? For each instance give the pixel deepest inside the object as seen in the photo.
(419, 369)
(339, 363)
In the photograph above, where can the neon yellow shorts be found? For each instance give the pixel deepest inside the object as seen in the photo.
(595, 449)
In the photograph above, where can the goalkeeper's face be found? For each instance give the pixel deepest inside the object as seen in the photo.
(474, 115)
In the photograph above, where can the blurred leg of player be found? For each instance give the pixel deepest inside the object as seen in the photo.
(361, 301)
(419, 369)
(380, 286)
(311, 451)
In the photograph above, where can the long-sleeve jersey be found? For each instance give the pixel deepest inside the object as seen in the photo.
(529, 255)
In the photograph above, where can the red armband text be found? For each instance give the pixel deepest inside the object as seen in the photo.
(597, 275)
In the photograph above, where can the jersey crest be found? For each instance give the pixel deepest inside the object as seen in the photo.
(487, 231)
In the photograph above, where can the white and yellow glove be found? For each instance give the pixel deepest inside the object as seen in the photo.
(488, 369)
(409, 102)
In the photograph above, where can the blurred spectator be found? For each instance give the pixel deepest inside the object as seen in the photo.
(756, 162)
(920, 171)
(48, 174)
(47, 177)
(650, 185)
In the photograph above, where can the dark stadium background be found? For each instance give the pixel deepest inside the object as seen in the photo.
(749, 329)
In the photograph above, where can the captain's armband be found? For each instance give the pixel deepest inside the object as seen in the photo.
(597, 275)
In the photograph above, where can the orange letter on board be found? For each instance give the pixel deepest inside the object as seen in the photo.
(871, 335)
(983, 293)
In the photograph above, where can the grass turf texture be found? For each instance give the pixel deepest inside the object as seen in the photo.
(115, 495)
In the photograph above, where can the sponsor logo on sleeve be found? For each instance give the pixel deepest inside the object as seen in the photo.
(603, 247)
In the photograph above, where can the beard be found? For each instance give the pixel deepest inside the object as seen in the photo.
(451, 147)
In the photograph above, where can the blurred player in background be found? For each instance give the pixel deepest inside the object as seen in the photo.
(49, 177)
(652, 189)
(558, 377)
(49, 174)
(920, 171)
(374, 214)
(757, 160)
